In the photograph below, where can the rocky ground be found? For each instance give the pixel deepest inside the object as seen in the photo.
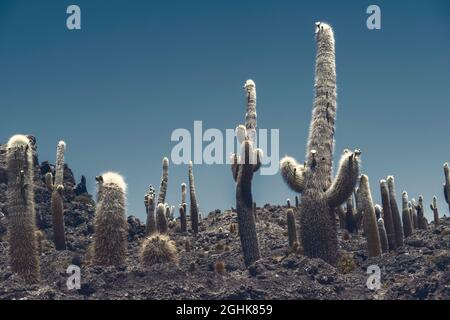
(419, 270)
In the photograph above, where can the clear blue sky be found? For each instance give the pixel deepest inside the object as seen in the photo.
(137, 70)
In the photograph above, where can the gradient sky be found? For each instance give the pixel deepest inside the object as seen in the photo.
(137, 70)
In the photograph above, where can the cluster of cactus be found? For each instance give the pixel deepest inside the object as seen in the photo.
(111, 227)
(56, 188)
(313, 179)
(243, 167)
(23, 246)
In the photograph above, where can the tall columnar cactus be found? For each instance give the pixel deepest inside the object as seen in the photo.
(23, 251)
(383, 236)
(387, 215)
(161, 220)
(370, 220)
(57, 190)
(447, 184)
(193, 196)
(110, 237)
(243, 167)
(164, 181)
(149, 201)
(321, 196)
(183, 221)
(292, 229)
(421, 214)
(395, 212)
(406, 215)
(414, 213)
(434, 208)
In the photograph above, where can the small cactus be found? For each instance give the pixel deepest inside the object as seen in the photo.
(111, 227)
(193, 196)
(387, 215)
(57, 189)
(370, 222)
(161, 220)
(23, 251)
(378, 211)
(447, 184)
(383, 236)
(406, 216)
(164, 181)
(158, 249)
(434, 208)
(292, 229)
(423, 225)
(149, 201)
(395, 212)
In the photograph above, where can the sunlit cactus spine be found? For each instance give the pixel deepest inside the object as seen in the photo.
(111, 227)
(370, 220)
(313, 179)
(193, 197)
(23, 251)
(406, 216)
(149, 201)
(434, 208)
(292, 229)
(447, 184)
(396, 218)
(243, 167)
(57, 206)
(383, 236)
(164, 182)
(161, 220)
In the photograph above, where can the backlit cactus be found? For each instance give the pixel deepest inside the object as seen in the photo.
(164, 181)
(395, 212)
(292, 229)
(57, 206)
(434, 208)
(369, 218)
(193, 197)
(158, 249)
(243, 167)
(406, 216)
(321, 196)
(149, 201)
(111, 227)
(23, 251)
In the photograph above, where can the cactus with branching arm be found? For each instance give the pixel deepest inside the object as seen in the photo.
(313, 179)
(243, 167)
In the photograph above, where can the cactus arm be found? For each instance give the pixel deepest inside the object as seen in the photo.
(345, 180)
(293, 174)
(258, 156)
(49, 181)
